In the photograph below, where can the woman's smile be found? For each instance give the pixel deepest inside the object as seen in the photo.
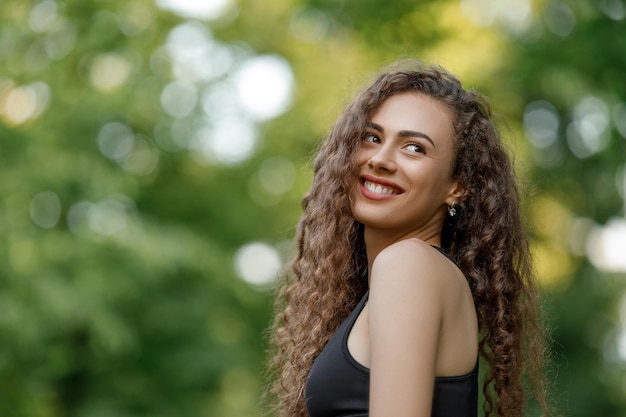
(378, 189)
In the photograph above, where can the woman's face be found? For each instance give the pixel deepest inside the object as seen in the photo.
(405, 164)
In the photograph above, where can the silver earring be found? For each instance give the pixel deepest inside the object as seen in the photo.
(452, 209)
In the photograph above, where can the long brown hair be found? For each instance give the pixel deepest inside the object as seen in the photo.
(486, 238)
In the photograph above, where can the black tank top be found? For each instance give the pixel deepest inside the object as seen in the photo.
(338, 385)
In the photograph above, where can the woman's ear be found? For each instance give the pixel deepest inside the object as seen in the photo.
(457, 194)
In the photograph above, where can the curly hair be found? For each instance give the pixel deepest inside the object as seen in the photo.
(487, 239)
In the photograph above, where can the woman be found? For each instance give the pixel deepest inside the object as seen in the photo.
(412, 261)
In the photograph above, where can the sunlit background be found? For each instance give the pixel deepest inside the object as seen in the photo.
(154, 154)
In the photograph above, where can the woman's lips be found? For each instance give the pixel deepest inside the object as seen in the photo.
(378, 189)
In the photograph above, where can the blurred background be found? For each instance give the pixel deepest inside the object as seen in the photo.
(153, 154)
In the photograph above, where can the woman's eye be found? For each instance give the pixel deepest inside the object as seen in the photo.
(370, 137)
(415, 147)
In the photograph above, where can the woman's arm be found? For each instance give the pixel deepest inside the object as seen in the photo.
(405, 316)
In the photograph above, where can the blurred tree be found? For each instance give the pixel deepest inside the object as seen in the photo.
(567, 78)
(118, 291)
(152, 155)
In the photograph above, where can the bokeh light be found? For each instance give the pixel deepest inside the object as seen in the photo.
(178, 99)
(115, 140)
(589, 133)
(605, 246)
(45, 209)
(513, 15)
(61, 39)
(43, 16)
(195, 9)
(18, 104)
(277, 174)
(257, 263)
(59, 34)
(265, 86)
(614, 9)
(228, 141)
(195, 55)
(136, 17)
(142, 160)
(111, 215)
(109, 71)
(541, 127)
(559, 18)
(541, 123)
(77, 220)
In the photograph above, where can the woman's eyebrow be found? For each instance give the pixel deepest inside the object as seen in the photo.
(374, 126)
(402, 133)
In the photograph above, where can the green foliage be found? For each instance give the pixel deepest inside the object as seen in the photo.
(118, 292)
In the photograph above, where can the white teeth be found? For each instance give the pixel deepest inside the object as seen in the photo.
(377, 188)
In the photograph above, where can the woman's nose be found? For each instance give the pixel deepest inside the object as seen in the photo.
(382, 159)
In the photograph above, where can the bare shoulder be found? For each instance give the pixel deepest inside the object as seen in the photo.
(412, 262)
(412, 271)
(413, 246)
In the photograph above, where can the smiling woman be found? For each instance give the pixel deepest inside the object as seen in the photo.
(412, 262)
(405, 159)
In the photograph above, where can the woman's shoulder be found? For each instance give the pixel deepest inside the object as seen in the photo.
(411, 244)
(412, 252)
(415, 264)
